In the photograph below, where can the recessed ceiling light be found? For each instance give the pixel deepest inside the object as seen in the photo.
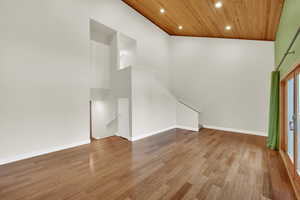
(162, 10)
(180, 27)
(228, 28)
(218, 4)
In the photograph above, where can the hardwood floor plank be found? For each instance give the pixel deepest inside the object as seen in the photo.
(182, 191)
(177, 164)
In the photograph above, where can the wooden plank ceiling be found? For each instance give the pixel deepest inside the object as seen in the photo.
(248, 19)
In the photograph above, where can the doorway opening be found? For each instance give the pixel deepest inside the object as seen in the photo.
(102, 103)
(112, 55)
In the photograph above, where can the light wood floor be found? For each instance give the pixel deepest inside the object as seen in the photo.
(177, 164)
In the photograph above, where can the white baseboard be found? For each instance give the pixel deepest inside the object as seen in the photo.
(98, 138)
(139, 137)
(187, 128)
(135, 138)
(260, 133)
(46, 151)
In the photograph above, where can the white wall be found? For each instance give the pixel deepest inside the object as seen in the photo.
(152, 52)
(152, 42)
(100, 65)
(227, 80)
(44, 69)
(186, 118)
(44, 74)
(153, 106)
(102, 119)
(127, 51)
(103, 108)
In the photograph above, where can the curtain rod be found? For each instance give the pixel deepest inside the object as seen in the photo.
(288, 50)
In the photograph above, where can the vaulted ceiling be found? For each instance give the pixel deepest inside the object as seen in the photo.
(240, 19)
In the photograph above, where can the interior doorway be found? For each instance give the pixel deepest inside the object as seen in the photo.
(102, 103)
(112, 56)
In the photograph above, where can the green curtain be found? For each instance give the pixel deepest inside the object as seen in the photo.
(273, 131)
